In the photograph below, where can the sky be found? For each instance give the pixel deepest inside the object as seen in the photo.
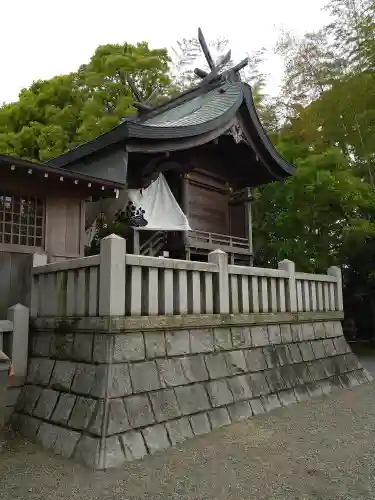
(43, 38)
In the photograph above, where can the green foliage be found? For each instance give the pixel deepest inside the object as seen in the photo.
(309, 218)
(56, 115)
(343, 116)
(109, 99)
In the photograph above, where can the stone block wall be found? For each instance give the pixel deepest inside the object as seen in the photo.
(107, 398)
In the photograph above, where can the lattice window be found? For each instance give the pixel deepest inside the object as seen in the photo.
(21, 220)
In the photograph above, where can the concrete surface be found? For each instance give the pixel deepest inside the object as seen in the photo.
(319, 449)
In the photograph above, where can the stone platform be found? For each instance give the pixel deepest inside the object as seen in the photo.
(107, 398)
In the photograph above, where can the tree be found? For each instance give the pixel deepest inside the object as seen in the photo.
(325, 215)
(344, 47)
(328, 84)
(309, 217)
(43, 122)
(53, 116)
(343, 116)
(310, 67)
(359, 280)
(352, 31)
(109, 98)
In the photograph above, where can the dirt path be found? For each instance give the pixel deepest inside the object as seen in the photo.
(321, 449)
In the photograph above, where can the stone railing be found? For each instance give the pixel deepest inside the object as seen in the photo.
(131, 354)
(255, 289)
(68, 288)
(118, 284)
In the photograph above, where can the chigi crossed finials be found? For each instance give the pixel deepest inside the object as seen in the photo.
(207, 77)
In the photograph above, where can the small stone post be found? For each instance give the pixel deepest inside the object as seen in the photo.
(19, 316)
(291, 289)
(221, 290)
(39, 259)
(336, 272)
(112, 276)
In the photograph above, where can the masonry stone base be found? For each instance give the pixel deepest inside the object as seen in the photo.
(108, 398)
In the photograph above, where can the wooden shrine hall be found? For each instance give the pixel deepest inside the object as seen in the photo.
(211, 148)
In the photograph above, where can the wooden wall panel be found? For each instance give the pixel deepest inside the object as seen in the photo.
(15, 280)
(64, 214)
(73, 221)
(20, 286)
(208, 204)
(63, 228)
(5, 269)
(238, 220)
(55, 236)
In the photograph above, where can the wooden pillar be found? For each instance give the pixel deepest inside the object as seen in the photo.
(136, 245)
(249, 219)
(185, 209)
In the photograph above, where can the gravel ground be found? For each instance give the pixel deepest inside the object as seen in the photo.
(320, 449)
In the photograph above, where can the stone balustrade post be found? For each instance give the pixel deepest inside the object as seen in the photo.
(291, 289)
(112, 276)
(336, 273)
(221, 288)
(19, 316)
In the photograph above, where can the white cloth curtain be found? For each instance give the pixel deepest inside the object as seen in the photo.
(158, 207)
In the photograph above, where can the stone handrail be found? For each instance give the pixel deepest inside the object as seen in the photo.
(115, 283)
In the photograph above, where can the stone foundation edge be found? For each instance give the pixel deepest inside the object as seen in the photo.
(134, 323)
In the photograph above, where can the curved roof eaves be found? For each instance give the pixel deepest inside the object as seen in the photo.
(263, 144)
(210, 118)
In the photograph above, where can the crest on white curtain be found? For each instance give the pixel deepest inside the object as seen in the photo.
(155, 208)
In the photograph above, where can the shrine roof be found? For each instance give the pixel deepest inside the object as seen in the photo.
(46, 174)
(192, 119)
(220, 105)
(201, 108)
(196, 111)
